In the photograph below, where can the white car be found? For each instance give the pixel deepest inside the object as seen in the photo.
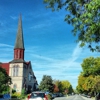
(38, 95)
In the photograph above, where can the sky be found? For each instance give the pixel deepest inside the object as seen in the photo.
(48, 40)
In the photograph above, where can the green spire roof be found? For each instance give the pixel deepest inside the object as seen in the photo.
(19, 40)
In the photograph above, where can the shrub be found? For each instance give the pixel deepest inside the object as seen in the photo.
(23, 94)
(16, 95)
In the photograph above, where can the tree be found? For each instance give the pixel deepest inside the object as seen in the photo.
(97, 84)
(56, 89)
(81, 81)
(46, 84)
(88, 80)
(58, 86)
(91, 66)
(89, 85)
(84, 16)
(5, 81)
(66, 87)
(63, 86)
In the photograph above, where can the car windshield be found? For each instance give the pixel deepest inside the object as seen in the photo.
(34, 95)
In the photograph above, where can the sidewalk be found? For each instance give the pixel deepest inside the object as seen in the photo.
(88, 98)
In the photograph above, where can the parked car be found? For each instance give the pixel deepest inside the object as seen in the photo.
(54, 95)
(38, 95)
(50, 95)
(57, 94)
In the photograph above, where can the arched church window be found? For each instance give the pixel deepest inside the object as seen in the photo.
(15, 86)
(15, 70)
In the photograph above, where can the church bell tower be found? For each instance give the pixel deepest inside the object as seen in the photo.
(19, 44)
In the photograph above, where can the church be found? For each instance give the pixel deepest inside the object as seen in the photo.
(18, 69)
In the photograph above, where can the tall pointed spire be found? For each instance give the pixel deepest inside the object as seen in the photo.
(19, 40)
(19, 44)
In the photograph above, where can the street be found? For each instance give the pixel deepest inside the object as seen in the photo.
(74, 97)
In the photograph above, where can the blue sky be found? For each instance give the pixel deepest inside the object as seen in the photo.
(49, 43)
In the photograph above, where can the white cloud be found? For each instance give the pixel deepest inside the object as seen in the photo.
(56, 63)
(5, 45)
(61, 69)
(38, 26)
(14, 17)
(76, 53)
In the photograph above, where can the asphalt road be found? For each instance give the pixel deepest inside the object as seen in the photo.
(74, 97)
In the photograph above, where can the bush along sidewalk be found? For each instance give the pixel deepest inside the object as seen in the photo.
(19, 96)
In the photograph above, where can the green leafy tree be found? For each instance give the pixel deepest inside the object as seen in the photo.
(5, 81)
(46, 84)
(88, 80)
(66, 87)
(89, 85)
(63, 86)
(81, 80)
(84, 16)
(97, 84)
(91, 66)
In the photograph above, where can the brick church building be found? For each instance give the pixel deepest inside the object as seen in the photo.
(18, 69)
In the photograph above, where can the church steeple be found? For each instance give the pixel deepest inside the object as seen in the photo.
(19, 40)
(19, 44)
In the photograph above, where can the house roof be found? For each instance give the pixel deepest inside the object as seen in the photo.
(5, 66)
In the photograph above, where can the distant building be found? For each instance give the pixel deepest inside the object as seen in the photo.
(18, 69)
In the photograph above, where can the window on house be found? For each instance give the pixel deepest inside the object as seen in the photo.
(15, 70)
(30, 77)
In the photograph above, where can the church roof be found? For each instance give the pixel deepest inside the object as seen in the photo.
(17, 61)
(19, 40)
(20, 61)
